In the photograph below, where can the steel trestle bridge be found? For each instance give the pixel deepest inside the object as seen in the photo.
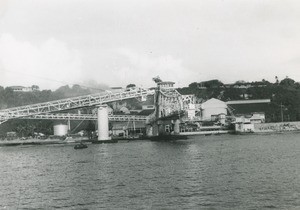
(43, 110)
(71, 116)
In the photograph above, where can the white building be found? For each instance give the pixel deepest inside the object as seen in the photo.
(244, 128)
(245, 123)
(254, 118)
(24, 89)
(213, 107)
(258, 117)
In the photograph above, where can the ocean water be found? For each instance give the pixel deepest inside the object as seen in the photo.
(204, 172)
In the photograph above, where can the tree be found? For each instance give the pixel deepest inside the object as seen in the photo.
(193, 85)
(265, 82)
(287, 82)
(131, 86)
(240, 82)
(277, 81)
(213, 83)
(156, 79)
(35, 88)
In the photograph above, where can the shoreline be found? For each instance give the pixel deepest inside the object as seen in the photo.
(18, 142)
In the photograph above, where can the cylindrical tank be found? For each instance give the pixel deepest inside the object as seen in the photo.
(177, 127)
(103, 129)
(60, 129)
(149, 130)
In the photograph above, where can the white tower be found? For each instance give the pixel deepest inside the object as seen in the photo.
(103, 129)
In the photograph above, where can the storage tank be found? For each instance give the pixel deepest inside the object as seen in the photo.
(103, 129)
(60, 129)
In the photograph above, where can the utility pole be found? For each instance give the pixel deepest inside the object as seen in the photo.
(69, 125)
(281, 111)
(133, 127)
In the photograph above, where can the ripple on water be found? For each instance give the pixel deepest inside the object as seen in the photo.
(227, 172)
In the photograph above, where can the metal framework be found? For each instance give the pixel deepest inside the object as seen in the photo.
(69, 116)
(169, 101)
(71, 103)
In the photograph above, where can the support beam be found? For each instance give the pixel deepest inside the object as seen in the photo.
(71, 116)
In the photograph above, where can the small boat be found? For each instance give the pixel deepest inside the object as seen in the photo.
(80, 146)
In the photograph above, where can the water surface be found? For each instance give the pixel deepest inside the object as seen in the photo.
(204, 172)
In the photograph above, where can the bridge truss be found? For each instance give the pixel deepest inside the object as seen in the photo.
(170, 101)
(34, 110)
(69, 116)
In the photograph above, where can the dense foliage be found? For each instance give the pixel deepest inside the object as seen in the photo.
(284, 95)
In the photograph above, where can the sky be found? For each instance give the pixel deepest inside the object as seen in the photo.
(51, 43)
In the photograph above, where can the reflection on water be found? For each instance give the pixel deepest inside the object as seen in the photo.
(213, 172)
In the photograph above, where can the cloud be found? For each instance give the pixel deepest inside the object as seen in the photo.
(48, 65)
(183, 42)
(143, 67)
(3, 7)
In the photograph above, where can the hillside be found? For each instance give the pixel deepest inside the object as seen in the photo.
(284, 95)
(10, 98)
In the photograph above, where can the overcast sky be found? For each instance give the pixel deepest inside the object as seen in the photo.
(116, 42)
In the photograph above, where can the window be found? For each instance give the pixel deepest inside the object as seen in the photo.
(167, 128)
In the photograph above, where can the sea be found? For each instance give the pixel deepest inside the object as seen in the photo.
(203, 172)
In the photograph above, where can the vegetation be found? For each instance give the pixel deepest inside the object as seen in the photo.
(10, 98)
(284, 95)
(130, 86)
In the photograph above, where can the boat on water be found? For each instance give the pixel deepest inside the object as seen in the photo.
(80, 146)
(168, 137)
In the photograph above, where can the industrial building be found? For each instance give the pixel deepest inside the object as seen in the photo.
(212, 108)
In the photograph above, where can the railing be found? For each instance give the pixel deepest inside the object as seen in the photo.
(70, 103)
(69, 116)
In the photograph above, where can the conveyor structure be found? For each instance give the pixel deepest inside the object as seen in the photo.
(69, 116)
(34, 110)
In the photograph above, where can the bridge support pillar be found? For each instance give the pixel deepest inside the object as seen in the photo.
(103, 129)
(176, 126)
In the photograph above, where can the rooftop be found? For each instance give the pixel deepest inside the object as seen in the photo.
(256, 101)
(166, 82)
